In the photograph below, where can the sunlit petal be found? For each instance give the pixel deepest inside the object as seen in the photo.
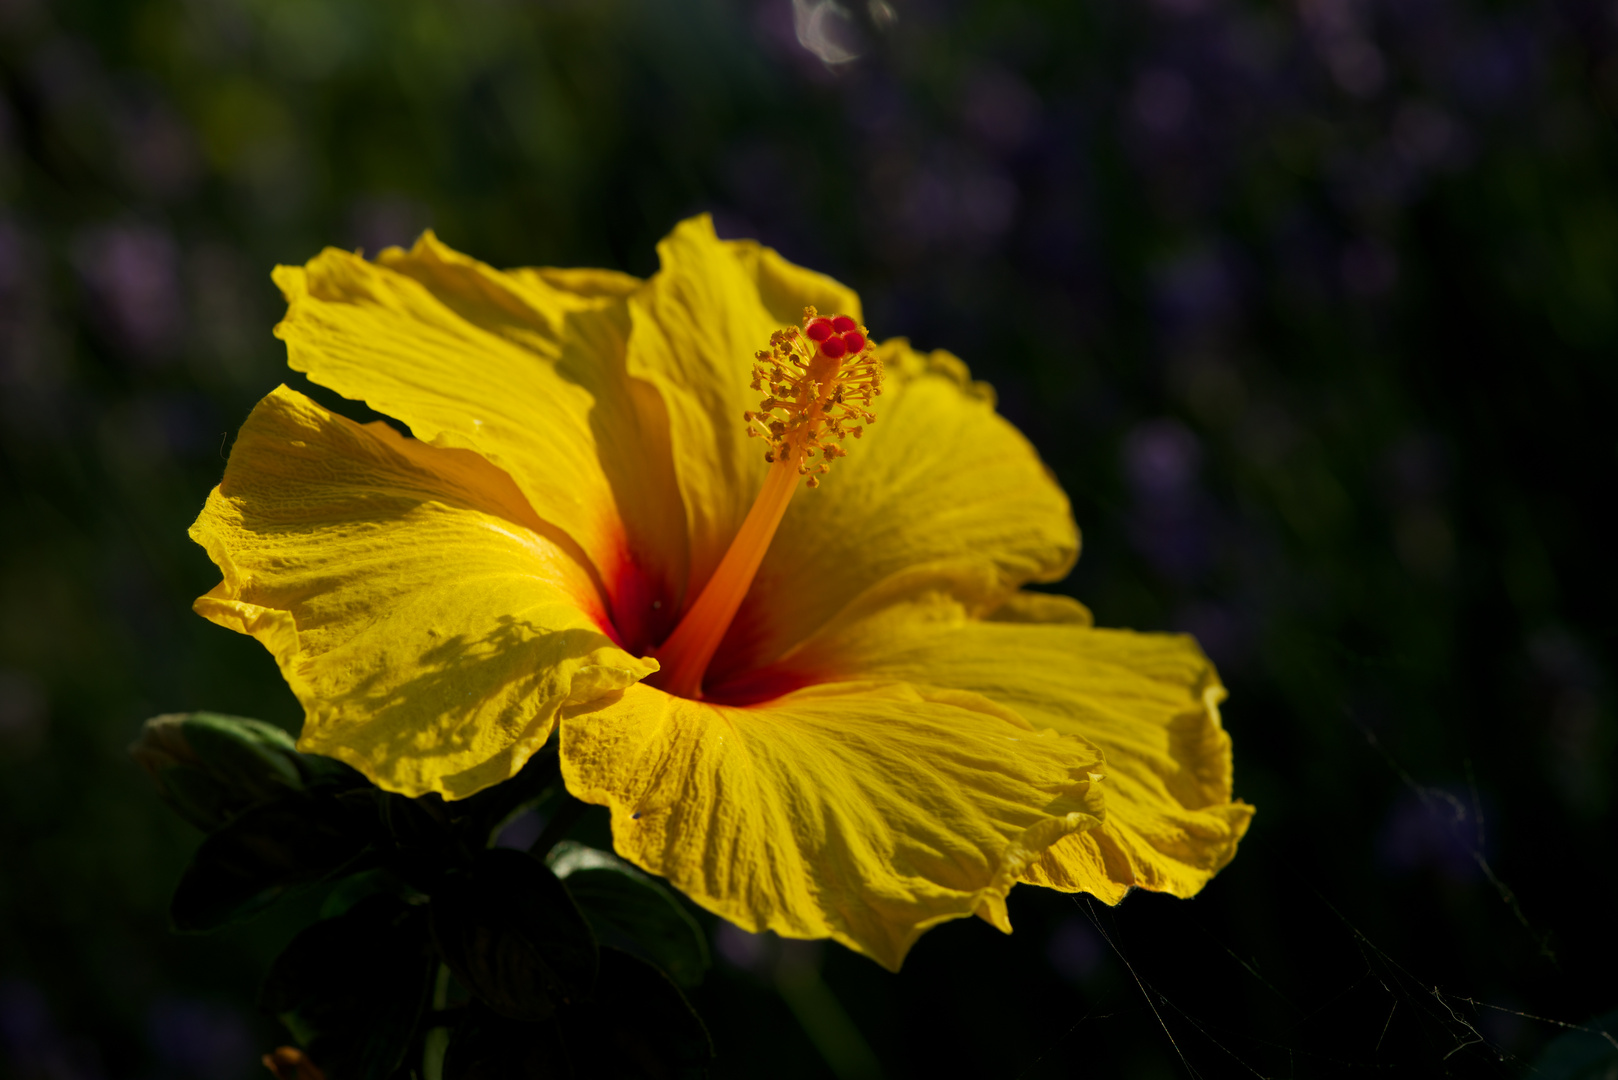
(940, 486)
(861, 812)
(1149, 701)
(430, 624)
(525, 368)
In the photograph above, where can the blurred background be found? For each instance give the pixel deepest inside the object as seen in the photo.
(1312, 306)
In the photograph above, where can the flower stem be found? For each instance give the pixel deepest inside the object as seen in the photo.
(437, 1039)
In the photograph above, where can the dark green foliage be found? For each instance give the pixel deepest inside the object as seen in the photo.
(354, 888)
(491, 1047)
(639, 1024)
(510, 933)
(483, 814)
(417, 839)
(209, 767)
(352, 989)
(257, 857)
(418, 896)
(627, 908)
(635, 1025)
(1590, 1053)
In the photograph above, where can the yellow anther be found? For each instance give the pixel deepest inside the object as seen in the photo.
(818, 378)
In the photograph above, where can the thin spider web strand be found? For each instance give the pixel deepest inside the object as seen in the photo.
(1477, 1037)
(1094, 921)
(1429, 795)
(1435, 993)
(1060, 1039)
(1605, 1034)
(1250, 968)
(1370, 955)
(1401, 986)
(1385, 1026)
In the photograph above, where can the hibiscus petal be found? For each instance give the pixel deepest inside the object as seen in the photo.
(1149, 701)
(939, 478)
(861, 812)
(430, 624)
(941, 486)
(527, 369)
(696, 326)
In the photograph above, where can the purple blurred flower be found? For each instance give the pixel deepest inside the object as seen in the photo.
(158, 151)
(1161, 461)
(1495, 63)
(1075, 950)
(25, 1019)
(1345, 45)
(1196, 290)
(1369, 267)
(1000, 108)
(953, 201)
(1161, 101)
(1426, 136)
(200, 1039)
(1217, 630)
(132, 274)
(30, 1045)
(380, 221)
(1431, 829)
(1169, 519)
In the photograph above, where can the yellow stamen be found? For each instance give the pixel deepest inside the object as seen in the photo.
(818, 380)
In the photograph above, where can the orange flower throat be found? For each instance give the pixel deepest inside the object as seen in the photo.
(819, 381)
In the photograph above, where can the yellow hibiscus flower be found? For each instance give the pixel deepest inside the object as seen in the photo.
(826, 711)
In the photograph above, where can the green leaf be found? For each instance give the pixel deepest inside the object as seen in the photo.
(253, 860)
(1590, 1054)
(352, 989)
(511, 933)
(629, 909)
(420, 843)
(638, 1024)
(199, 798)
(210, 768)
(240, 749)
(329, 774)
(356, 887)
